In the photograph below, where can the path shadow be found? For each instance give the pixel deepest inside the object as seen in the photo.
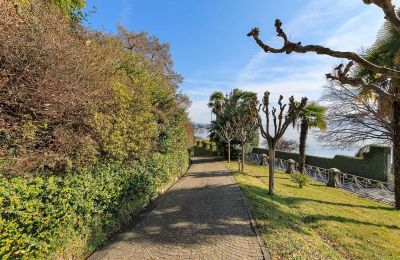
(199, 160)
(211, 174)
(188, 215)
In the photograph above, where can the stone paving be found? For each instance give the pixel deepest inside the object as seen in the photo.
(203, 216)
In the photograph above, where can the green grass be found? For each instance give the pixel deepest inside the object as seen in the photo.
(317, 222)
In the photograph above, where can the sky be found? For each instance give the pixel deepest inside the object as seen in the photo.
(212, 52)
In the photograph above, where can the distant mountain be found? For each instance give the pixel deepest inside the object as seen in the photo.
(199, 126)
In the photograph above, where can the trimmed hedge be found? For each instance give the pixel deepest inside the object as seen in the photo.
(374, 164)
(70, 216)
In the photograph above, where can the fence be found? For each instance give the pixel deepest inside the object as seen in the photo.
(373, 189)
(372, 163)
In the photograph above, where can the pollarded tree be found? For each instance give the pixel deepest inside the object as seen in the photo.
(312, 116)
(281, 121)
(227, 133)
(245, 125)
(344, 75)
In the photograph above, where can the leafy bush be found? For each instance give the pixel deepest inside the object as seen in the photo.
(72, 215)
(91, 127)
(300, 178)
(73, 98)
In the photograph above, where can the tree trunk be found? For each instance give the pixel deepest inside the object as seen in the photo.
(271, 164)
(302, 146)
(229, 152)
(396, 151)
(242, 157)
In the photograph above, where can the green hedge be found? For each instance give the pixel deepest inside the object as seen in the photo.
(70, 216)
(373, 164)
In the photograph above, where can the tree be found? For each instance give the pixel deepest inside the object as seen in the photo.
(311, 116)
(216, 103)
(343, 74)
(227, 133)
(280, 122)
(236, 103)
(150, 48)
(284, 145)
(244, 127)
(353, 119)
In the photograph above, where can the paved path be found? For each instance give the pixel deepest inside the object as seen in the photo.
(202, 216)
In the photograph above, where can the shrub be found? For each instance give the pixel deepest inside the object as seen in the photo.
(300, 178)
(74, 97)
(91, 127)
(72, 215)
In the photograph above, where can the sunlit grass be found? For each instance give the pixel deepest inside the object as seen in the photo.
(317, 222)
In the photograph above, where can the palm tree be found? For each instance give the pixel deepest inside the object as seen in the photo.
(216, 102)
(386, 52)
(312, 116)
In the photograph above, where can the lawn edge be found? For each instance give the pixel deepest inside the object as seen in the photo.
(263, 246)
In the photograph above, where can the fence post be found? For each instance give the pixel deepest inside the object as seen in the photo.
(264, 159)
(291, 166)
(333, 180)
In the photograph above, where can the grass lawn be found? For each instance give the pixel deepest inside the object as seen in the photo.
(317, 222)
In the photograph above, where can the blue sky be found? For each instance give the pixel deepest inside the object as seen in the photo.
(211, 51)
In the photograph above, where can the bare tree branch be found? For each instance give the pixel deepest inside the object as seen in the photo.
(389, 9)
(289, 47)
(341, 75)
(226, 132)
(353, 120)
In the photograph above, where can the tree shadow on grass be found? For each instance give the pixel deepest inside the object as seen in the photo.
(299, 200)
(273, 203)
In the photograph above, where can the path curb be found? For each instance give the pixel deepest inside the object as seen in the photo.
(263, 246)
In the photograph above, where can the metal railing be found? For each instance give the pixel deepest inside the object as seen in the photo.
(373, 189)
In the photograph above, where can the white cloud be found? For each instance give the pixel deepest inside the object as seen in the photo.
(207, 82)
(199, 111)
(348, 25)
(252, 67)
(346, 38)
(318, 14)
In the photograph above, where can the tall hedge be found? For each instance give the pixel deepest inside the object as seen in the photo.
(70, 216)
(92, 125)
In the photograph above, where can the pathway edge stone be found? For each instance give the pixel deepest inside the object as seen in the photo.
(253, 224)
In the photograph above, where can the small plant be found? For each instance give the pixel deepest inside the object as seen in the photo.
(300, 179)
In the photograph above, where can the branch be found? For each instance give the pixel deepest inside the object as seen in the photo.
(289, 47)
(389, 9)
(282, 109)
(273, 112)
(341, 76)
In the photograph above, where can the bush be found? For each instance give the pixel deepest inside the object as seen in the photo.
(300, 179)
(90, 128)
(72, 215)
(75, 97)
